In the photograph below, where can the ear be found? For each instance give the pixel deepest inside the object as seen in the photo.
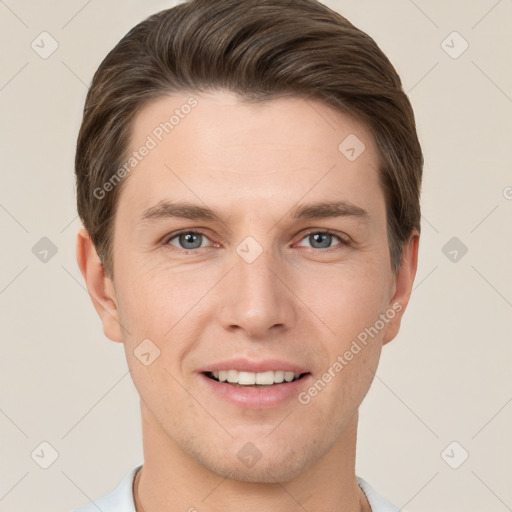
(100, 287)
(403, 282)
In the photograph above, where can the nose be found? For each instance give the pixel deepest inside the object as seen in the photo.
(255, 297)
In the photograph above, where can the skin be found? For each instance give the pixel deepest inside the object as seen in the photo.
(301, 300)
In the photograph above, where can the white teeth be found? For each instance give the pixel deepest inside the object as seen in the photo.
(278, 376)
(288, 376)
(232, 376)
(250, 378)
(265, 378)
(246, 378)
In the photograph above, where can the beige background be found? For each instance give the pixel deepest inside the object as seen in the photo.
(445, 378)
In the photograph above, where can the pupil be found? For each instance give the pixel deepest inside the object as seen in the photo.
(190, 238)
(324, 236)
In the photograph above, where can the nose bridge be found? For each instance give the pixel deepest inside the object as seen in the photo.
(256, 300)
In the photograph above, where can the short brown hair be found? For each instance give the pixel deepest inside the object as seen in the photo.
(260, 50)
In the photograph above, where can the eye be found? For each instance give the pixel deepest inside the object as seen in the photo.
(323, 239)
(187, 240)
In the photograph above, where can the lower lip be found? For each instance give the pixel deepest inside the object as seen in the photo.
(248, 397)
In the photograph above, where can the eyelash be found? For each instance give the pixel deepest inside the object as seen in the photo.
(344, 240)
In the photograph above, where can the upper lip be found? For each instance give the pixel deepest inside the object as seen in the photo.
(250, 365)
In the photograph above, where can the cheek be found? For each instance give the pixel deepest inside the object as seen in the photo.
(355, 298)
(165, 307)
(152, 296)
(348, 299)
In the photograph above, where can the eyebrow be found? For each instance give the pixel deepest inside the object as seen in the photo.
(184, 210)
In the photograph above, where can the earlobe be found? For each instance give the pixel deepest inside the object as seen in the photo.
(403, 283)
(99, 286)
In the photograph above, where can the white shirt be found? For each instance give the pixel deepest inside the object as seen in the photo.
(121, 498)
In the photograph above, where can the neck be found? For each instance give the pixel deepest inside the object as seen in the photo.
(171, 480)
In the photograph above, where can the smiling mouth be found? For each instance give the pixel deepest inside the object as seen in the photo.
(254, 380)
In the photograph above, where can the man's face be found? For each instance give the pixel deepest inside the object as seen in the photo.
(260, 288)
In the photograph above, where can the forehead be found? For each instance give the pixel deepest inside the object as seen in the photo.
(215, 145)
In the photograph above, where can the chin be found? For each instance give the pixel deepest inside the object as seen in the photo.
(275, 463)
(262, 473)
